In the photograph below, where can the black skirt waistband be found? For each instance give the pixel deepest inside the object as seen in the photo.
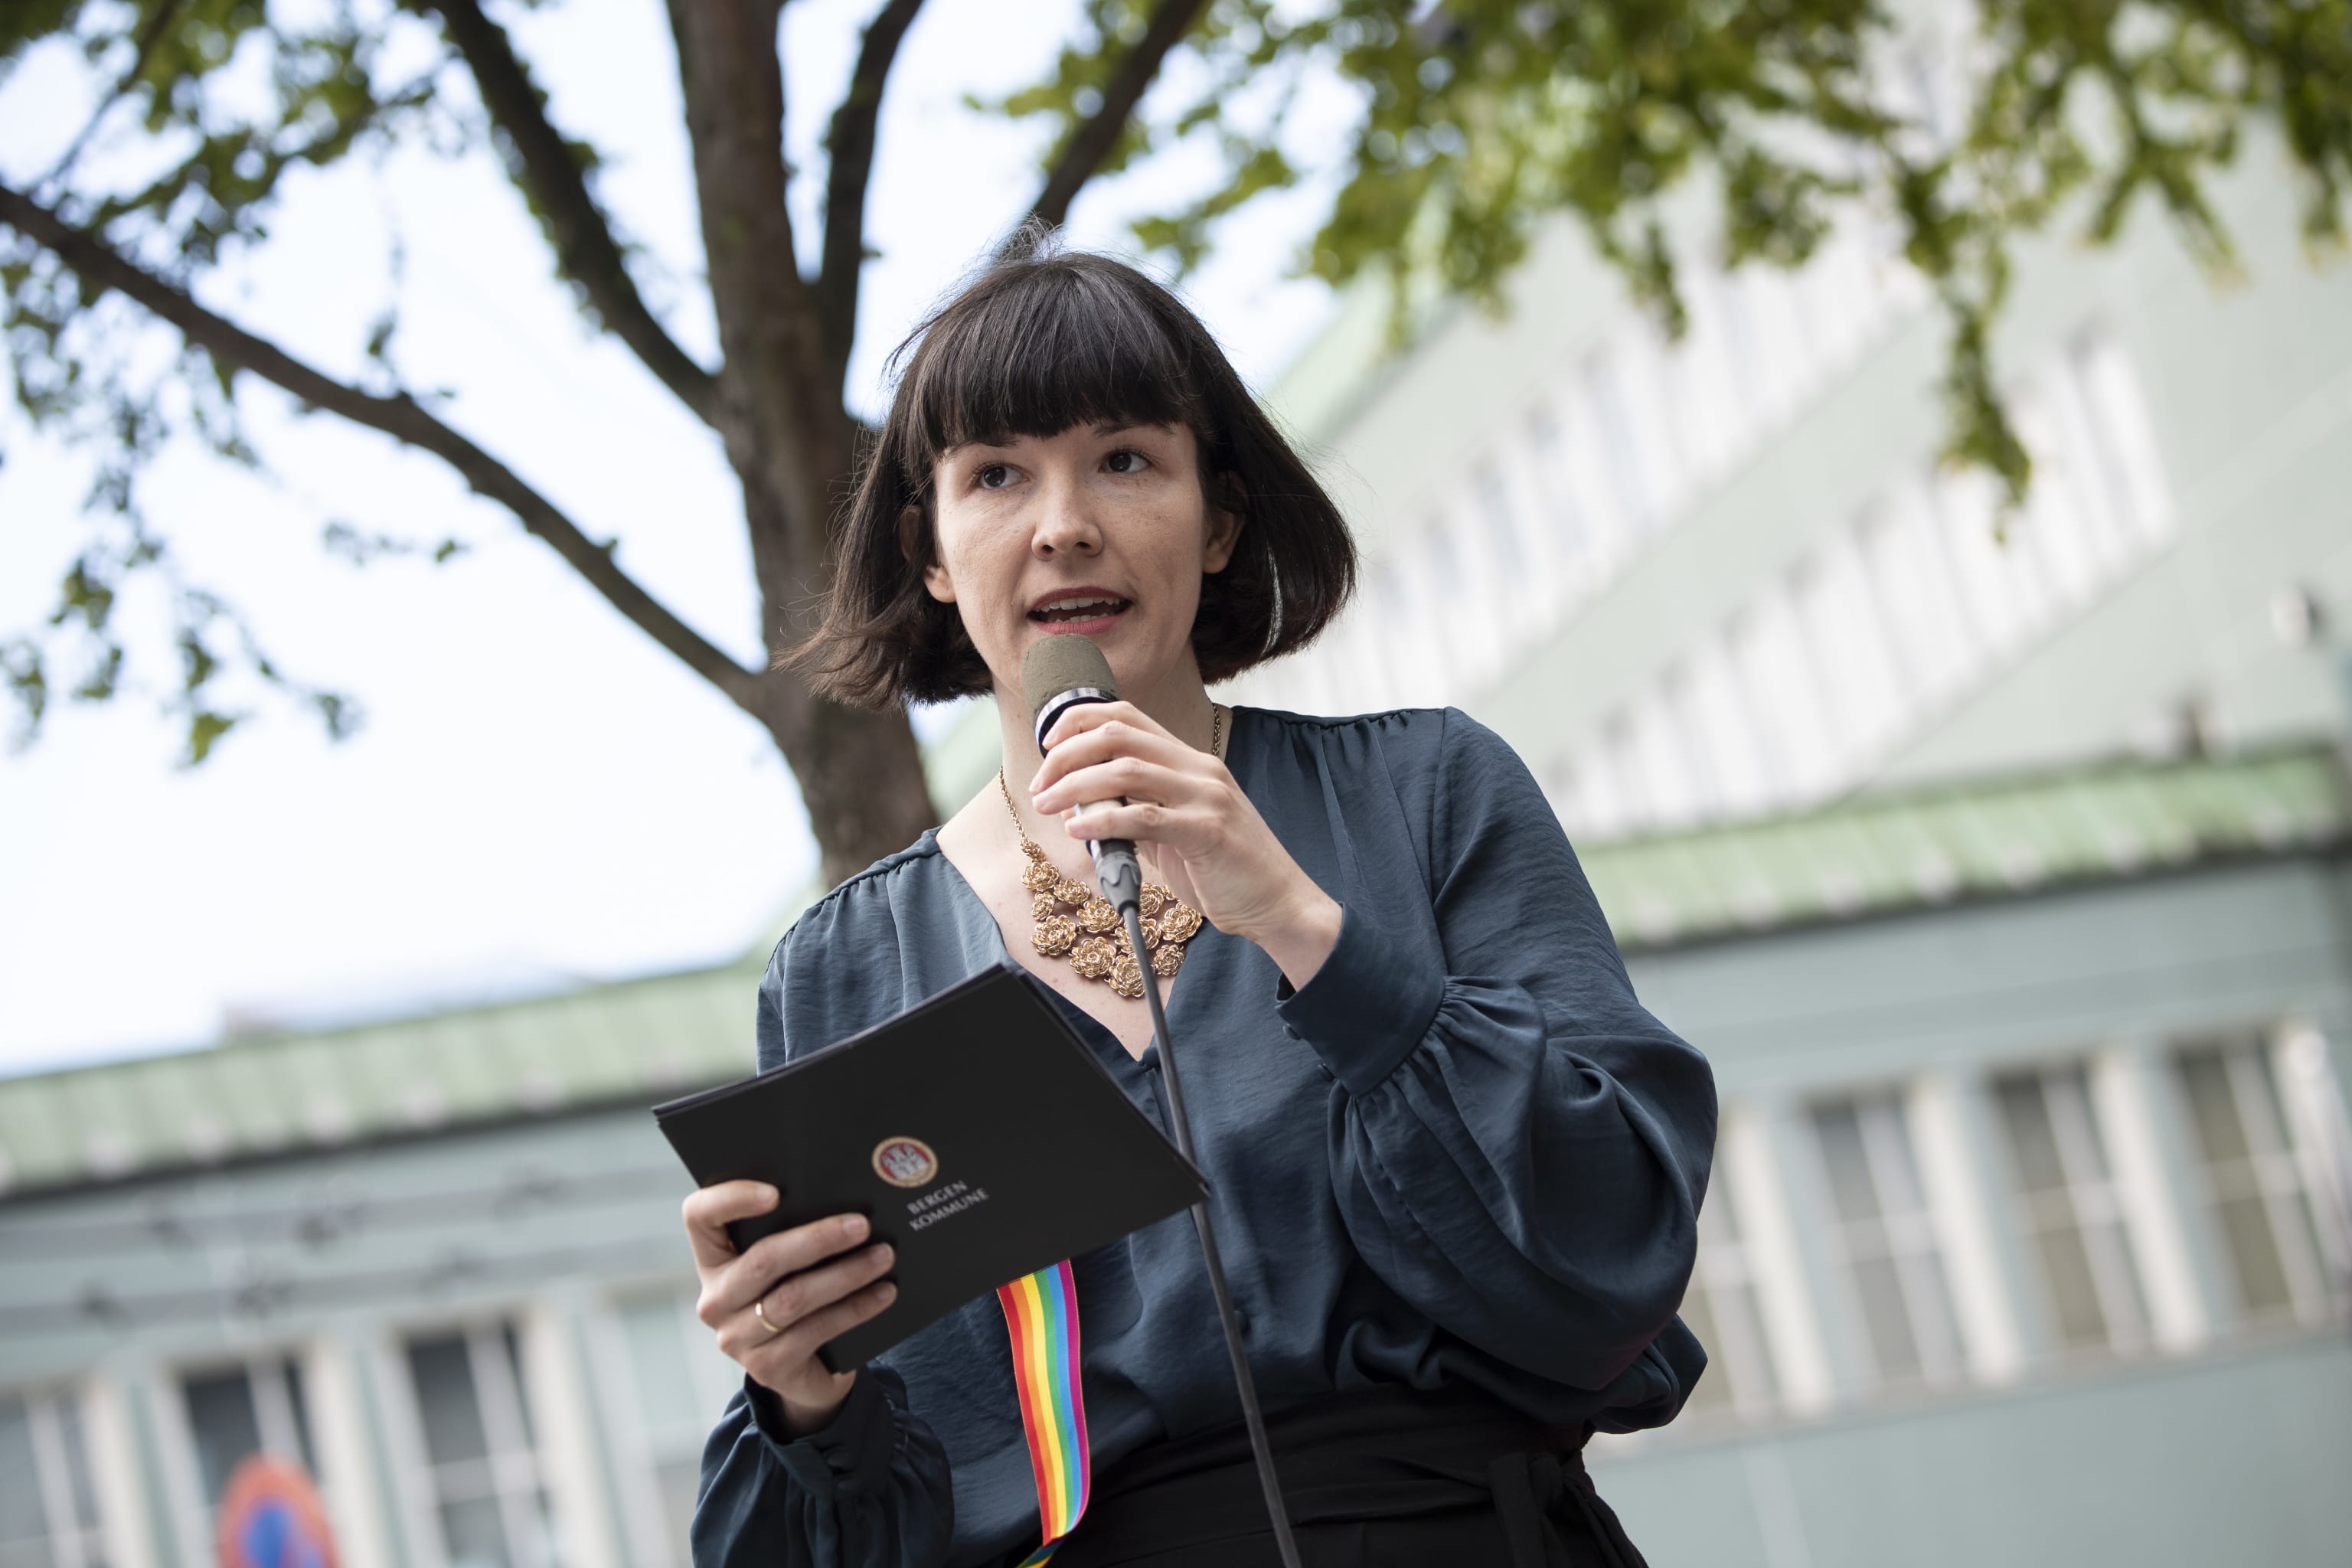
(1368, 1474)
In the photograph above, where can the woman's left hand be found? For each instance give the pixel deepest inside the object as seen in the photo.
(1193, 828)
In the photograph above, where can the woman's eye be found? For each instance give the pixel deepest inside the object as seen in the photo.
(992, 476)
(1126, 460)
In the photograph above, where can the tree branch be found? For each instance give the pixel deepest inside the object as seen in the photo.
(1092, 142)
(585, 251)
(784, 428)
(399, 417)
(851, 148)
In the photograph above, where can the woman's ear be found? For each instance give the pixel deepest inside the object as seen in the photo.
(1226, 515)
(910, 545)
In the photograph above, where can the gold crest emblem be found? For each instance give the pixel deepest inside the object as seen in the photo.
(905, 1162)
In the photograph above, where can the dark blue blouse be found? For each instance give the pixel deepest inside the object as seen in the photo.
(1464, 1152)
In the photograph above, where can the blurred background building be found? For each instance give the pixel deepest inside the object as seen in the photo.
(1999, 871)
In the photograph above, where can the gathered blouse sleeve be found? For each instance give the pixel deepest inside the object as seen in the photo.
(871, 1489)
(1516, 1145)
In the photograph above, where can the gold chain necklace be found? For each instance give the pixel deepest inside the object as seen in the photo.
(1075, 921)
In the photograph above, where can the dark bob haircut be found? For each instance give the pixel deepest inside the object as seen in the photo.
(1038, 341)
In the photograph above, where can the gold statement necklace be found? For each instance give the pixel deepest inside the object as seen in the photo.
(1075, 921)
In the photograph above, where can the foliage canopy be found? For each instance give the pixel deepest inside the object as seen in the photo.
(1961, 127)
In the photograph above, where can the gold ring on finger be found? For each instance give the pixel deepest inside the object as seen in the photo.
(760, 1311)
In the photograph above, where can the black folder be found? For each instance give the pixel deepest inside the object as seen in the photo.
(978, 1134)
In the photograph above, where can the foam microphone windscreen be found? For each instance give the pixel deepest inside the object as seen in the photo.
(1059, 663)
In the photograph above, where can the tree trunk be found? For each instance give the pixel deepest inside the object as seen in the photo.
(860, 773)
(787, 435)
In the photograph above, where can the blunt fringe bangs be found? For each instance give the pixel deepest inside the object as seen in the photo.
(1041, 339)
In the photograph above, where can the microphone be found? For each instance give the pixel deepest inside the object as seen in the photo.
(1059, 673)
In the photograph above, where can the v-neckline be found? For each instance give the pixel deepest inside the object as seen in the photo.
(1177, 988)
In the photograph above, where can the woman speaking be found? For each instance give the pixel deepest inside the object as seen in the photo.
(1455, 1167)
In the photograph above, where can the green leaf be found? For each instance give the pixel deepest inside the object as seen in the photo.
(341, 716)
(205, 727)
(198, 665)
(380, 333)
(20, 661)
(105, 676)
(86, 595)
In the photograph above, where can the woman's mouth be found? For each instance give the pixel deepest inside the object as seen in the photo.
(1087, 612)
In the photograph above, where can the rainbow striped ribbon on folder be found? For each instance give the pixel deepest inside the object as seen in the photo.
(1041, 1313)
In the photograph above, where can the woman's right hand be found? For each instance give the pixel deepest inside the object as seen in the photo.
(804, 1281)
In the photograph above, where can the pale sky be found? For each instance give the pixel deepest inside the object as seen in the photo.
(540, 795)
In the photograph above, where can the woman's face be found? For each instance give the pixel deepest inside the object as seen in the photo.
(1099, 532)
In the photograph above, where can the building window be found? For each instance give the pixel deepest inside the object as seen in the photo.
(1735, 755)
(676, 1384)
(482, 1467)
(1683, 729)
(2253, 1182)
(2131, 457)
(1662, 763)
(1773, 338)
(1721, 1309)
(1629, 798)
(2061, 528)
(48, 1507)
(1557, 479)
(1502, 524)
(1564, 788)
(1965, 506)
(1751, 394)
(1606, 391)
(1442, 566)
(1911, 578)
(2071, 1210)
(1767, 650)
(236, 1412)
(1847, 658)
(1706, 381)
(1442, 593)
(1884, 1241)
(1395, 608)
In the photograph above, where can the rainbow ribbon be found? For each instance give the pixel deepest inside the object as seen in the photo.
(1041, 1313)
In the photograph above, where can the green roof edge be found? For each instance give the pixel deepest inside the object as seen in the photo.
(652, 1035)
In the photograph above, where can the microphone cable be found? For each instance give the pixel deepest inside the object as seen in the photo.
(1128, 902)
(1058, 673)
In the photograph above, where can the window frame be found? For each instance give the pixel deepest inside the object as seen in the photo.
(2280, 1176)
(56, 1424)
(1727, 1271)
(619, 1402)
(194, 1516)
(2094, 1203)
(518, 1476)
(1910, 1239)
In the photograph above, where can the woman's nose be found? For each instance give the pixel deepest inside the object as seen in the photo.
(1066, 524)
